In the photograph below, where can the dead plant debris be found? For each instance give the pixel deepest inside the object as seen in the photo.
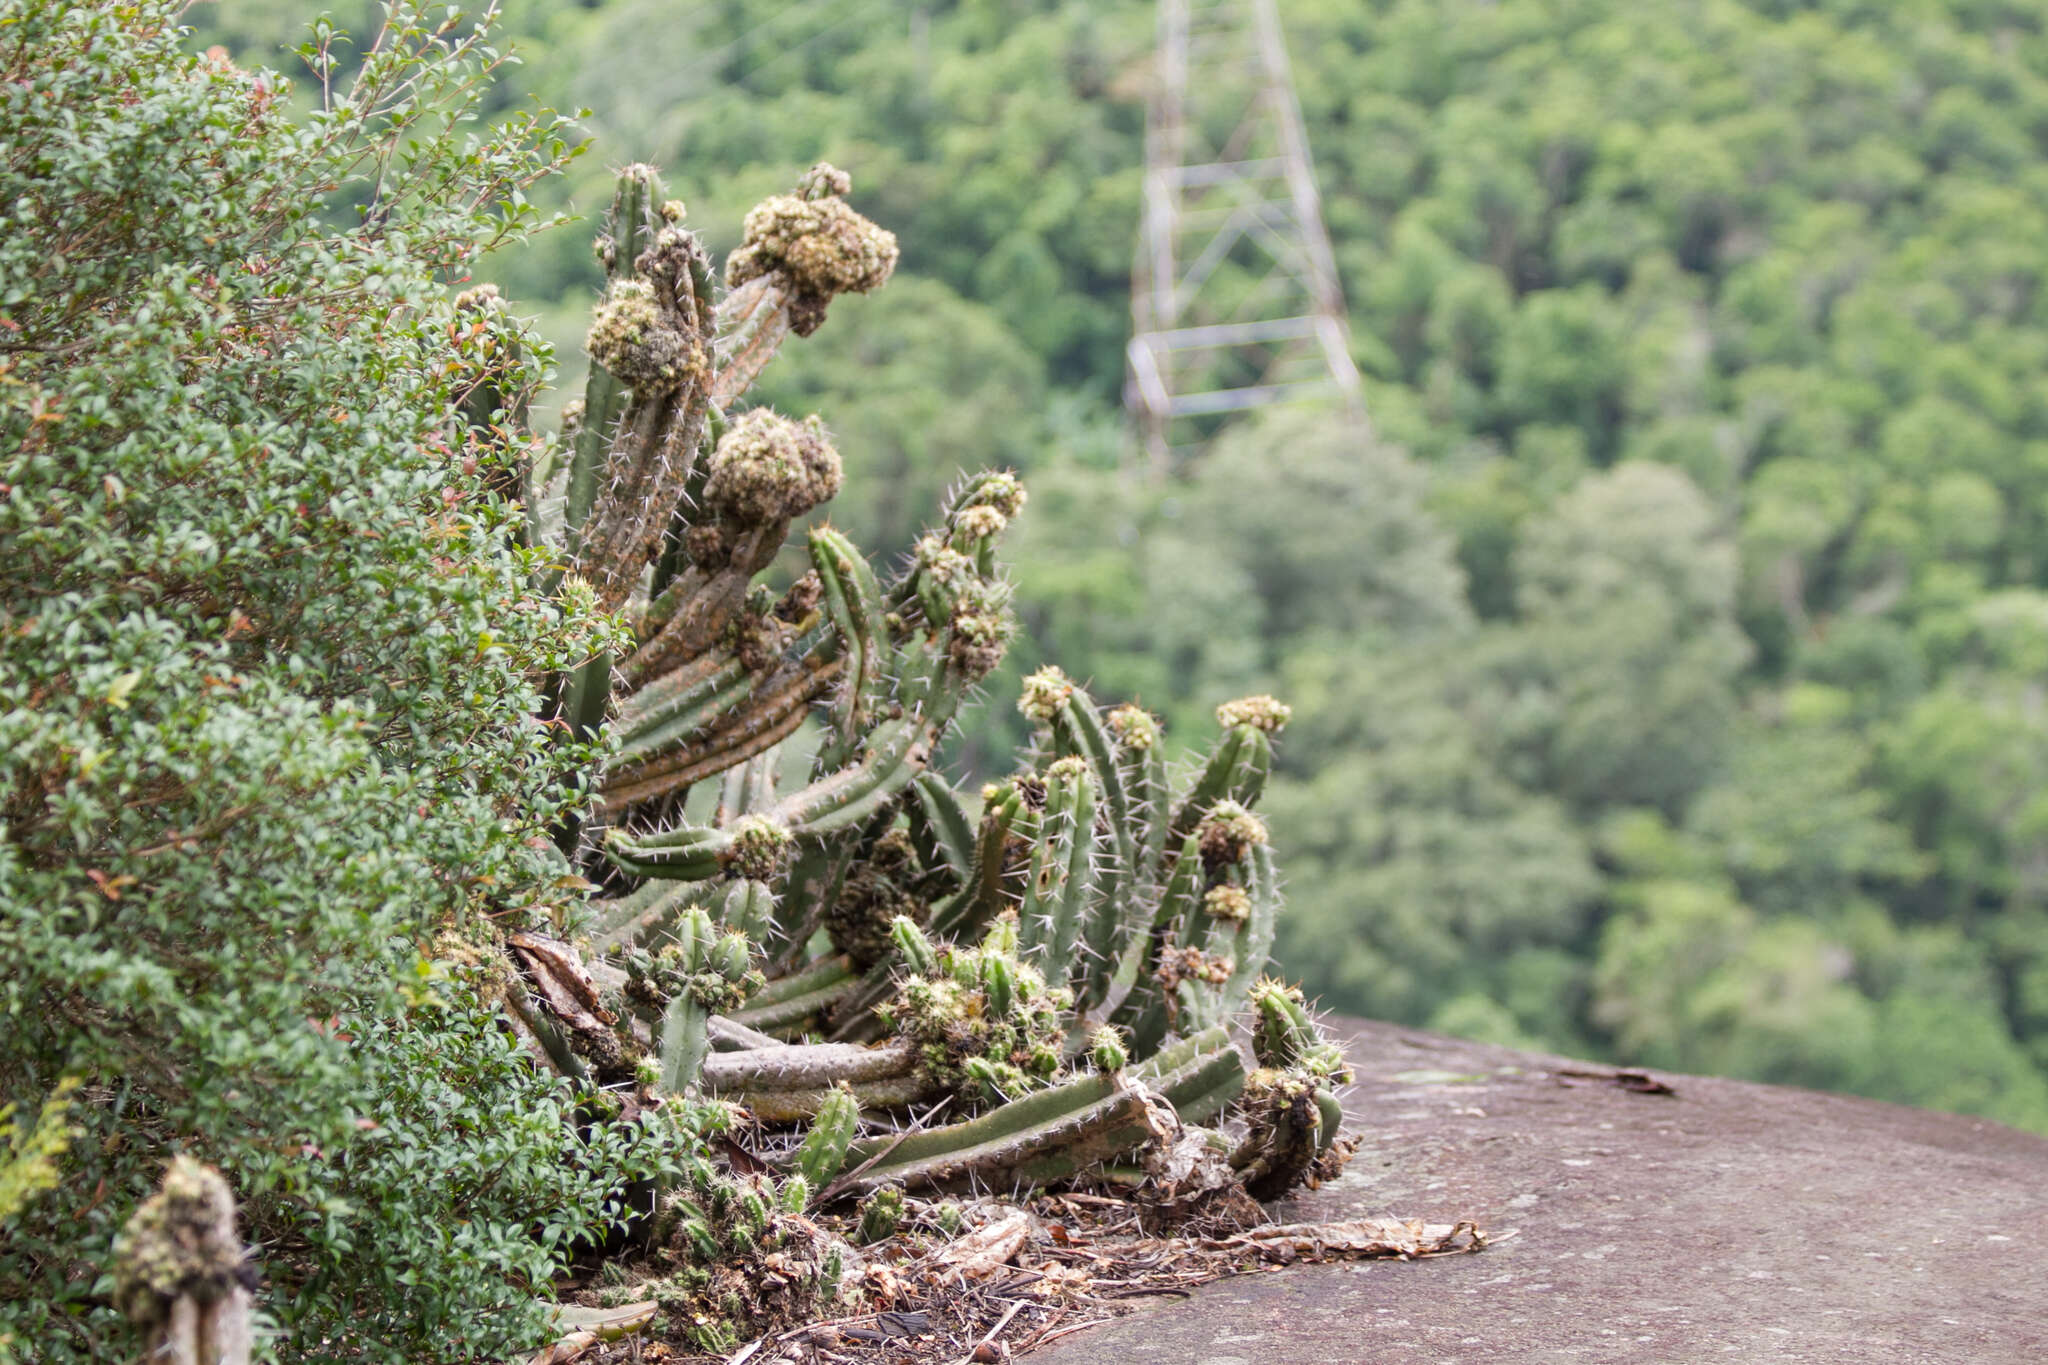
(1018, 1276)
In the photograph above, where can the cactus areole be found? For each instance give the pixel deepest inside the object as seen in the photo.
(1058, 965)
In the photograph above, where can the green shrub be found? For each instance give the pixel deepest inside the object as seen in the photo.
(268, 663)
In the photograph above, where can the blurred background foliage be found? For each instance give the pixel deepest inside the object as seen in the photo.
(1669, 668)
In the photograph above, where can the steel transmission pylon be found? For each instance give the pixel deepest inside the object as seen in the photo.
(1234, 301)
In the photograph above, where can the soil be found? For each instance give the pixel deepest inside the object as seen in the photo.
(1717, 1220)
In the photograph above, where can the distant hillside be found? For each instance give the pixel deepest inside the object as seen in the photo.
(1671, 684)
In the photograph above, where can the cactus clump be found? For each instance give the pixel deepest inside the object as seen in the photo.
(630, 336)
(1063, 964)
(760, 849)
(744, 1260)
(881, 1214)
(768, 469)
(815, 240)
(1228, 833)
(1285, 1127)
(179, 1243)
(989, 1028)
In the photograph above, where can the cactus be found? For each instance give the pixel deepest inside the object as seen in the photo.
(823, 1154)
(1058, 961)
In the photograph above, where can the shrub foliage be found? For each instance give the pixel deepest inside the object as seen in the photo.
(268, 662)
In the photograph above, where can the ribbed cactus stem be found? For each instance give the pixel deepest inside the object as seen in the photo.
(685, 1039)
(1282, 1032)
(823, 1154)
(1051, 1135)
(1060, 879)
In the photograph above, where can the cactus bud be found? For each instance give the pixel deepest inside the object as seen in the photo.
(881, 1213)
(731, 955)
(1068, 770)
(1227, 833)
(702, 1246)
(1045, 692)
(1260, 712)
(1135, 728)
(1228, 902)
(978, 523)
(941, 562)
(751, 1211)
(911, 944)
(760, 849)
(999, 980)
(1106, 1050)
(1002, 491)
(647, 1072)
(824, 181)
(1001, 937)
(692, 939)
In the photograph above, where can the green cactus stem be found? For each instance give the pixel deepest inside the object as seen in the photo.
(1055, 1134)
(881, 1214)
(823, 1154)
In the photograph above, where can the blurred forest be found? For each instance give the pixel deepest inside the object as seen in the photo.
(1669, 672)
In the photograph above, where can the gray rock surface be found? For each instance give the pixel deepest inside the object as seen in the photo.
(1726, 1221)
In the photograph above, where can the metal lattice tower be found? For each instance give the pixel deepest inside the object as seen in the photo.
(1234, 301)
